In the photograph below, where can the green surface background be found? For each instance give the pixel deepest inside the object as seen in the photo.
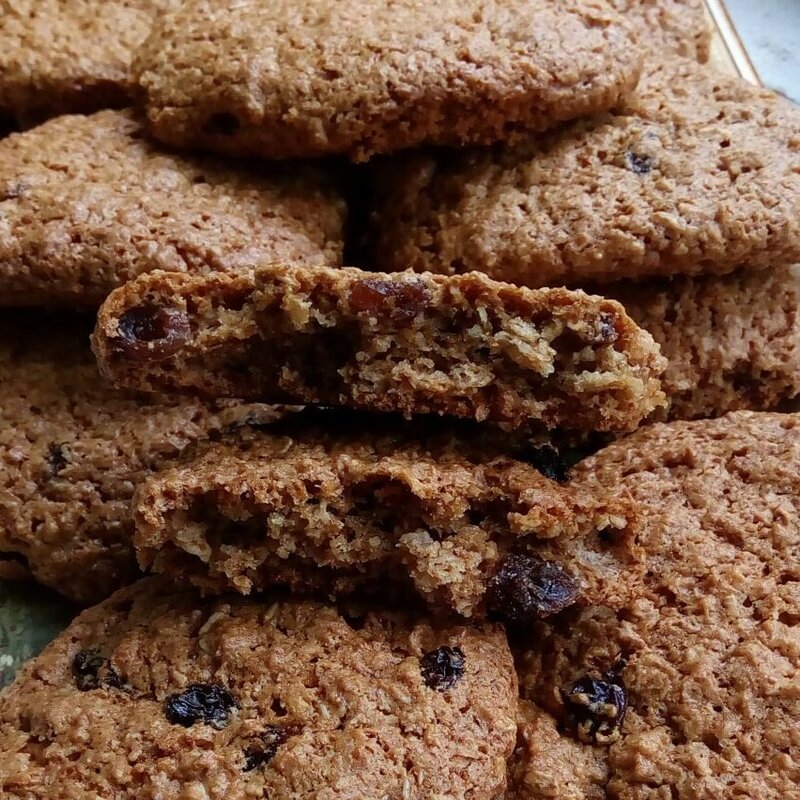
(30, 616)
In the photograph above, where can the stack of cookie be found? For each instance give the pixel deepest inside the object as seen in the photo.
(375, 574)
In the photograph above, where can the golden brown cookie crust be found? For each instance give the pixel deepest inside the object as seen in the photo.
(299, 78)
(88, 204)
(710, 646)
(463, 345)
(547, 764)
(68, 56)
(696, 173)
(72, 450)
(347, 511)
(732, 341)
(667, 27)
(315, 704)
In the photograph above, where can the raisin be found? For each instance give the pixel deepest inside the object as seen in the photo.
(606, 329)
(86, 669)
(442, 668)
(549, 462)
(596, 707)
(209, 703)
(150, 332)
(92, 670)
(111, 678)
(56, 458)
(399, 298)
(526, 587)
(641, 165)
(267, 744)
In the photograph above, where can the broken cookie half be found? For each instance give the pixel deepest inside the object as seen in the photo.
(468, 528)
(460, 345)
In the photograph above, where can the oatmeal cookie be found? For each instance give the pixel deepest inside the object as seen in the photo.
(70, 56)
(159, 694)
(72, 450)
(696, 173)
(87, 203)
(691, 689)
(669, 26)
(732, 341)
(471, 529)
(302, 78)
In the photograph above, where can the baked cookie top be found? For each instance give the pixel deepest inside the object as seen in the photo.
(666, 27)
(691, 689)
(471, 529)
(301, 78)
(159, 694)
(732, 341)
(72, 449)
(695, 173)
(87, 204)
(463, 345)
(64, 56)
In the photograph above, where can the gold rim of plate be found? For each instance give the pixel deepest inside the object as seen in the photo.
(728, 53)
